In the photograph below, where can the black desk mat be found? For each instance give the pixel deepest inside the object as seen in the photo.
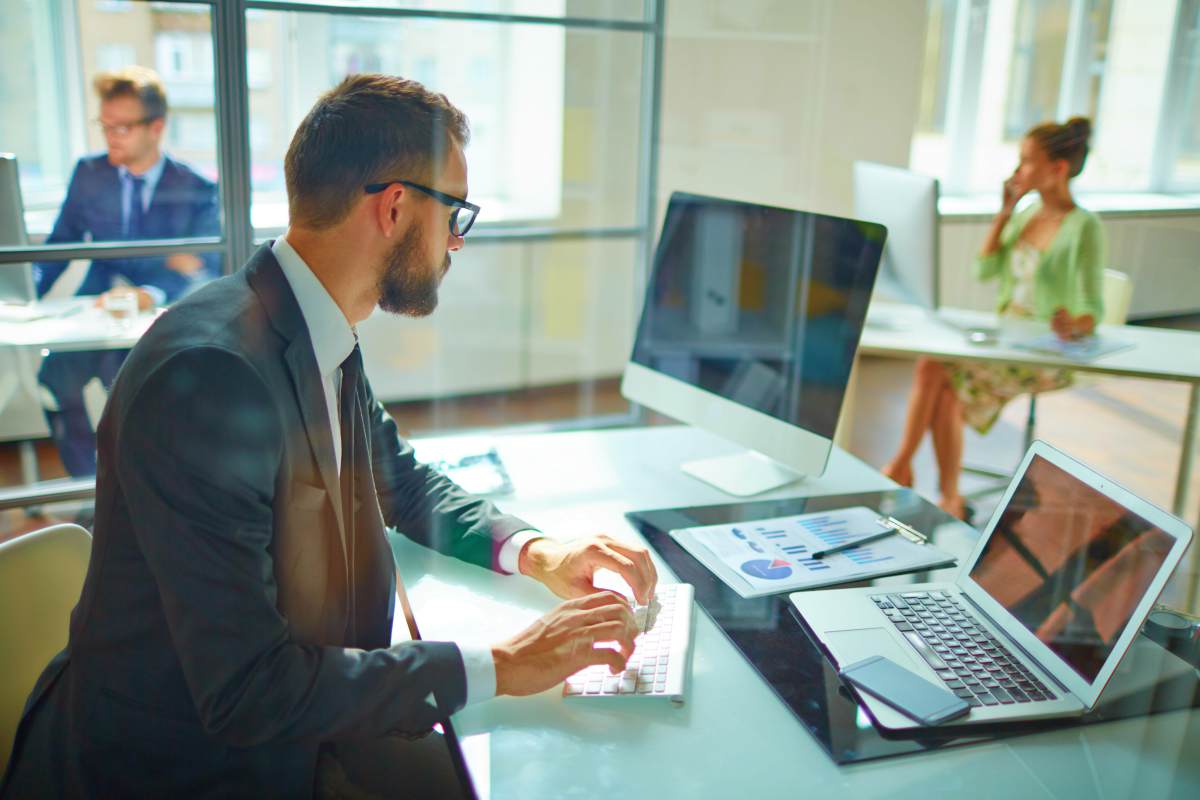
(770, 635)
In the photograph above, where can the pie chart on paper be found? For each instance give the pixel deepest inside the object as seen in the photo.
(767, 569)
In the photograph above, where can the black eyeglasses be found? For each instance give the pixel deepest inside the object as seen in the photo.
(464, 213)
(123, 128)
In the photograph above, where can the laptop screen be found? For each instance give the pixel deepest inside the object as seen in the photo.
(1070, 563)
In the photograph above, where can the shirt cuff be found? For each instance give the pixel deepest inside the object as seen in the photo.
(480, 670)
(510, 551)
(160, 297)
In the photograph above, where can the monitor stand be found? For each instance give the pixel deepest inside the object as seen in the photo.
(741, 474)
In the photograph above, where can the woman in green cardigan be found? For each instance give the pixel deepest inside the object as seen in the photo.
(1049, 260)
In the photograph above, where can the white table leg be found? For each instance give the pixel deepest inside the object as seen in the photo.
(29, 462)
(1187, 453)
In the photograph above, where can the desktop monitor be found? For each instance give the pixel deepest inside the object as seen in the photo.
(906, 203)
(16, 280)
(749, 328)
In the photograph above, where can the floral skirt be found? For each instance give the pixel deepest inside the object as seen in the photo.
(986, 387)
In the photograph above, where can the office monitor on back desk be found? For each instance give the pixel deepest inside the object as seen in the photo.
(906, 203)
(749, 329)
(16, 280)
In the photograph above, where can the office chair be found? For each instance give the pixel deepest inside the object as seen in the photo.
(1118, 291)
(41, 576)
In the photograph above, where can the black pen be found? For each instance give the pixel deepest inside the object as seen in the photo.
(851, 545)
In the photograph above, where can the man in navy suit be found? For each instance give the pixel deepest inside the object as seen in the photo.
(131, 192)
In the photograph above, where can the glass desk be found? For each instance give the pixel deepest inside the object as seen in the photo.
(770, 635)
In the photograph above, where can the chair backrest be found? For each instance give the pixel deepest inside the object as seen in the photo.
(1118, 290)
(41, 575)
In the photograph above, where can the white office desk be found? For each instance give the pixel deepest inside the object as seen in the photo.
(1157, 353)
(732, 738)
(90, 329)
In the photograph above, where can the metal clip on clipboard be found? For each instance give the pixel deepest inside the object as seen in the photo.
(905, 530)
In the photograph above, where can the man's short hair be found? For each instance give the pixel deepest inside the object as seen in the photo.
(367, 129)
(141, 83)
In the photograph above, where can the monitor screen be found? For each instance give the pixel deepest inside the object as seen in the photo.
(762, 306)
(1071, 564)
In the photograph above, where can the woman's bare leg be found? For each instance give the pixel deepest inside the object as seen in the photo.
(929, 380)
(947, 430)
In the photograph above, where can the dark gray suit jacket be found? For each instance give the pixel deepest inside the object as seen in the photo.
(223, 634)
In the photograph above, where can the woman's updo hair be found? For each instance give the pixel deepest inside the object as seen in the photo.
(1068, 142)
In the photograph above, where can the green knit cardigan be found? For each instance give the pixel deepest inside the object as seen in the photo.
(1070, 273)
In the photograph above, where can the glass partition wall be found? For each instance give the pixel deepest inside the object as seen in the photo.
(536, 319)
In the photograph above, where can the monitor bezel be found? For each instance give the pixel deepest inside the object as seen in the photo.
(1177, 529)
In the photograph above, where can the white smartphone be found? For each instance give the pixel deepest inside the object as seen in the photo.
(905, 691)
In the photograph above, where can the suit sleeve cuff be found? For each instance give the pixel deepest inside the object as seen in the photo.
(480, 670)
(510, 551)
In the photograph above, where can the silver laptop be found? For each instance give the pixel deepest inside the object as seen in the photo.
(1040, 615)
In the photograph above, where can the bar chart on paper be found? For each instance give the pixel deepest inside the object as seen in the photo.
(775, 555)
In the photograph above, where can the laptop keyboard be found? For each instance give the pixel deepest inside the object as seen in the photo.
(968, 659)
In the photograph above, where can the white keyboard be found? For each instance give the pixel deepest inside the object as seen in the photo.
(660, 661)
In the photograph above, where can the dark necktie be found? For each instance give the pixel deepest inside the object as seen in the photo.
(349, 419)
(354, 459)
(133, 226)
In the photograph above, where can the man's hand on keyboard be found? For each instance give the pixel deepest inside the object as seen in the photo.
(563, 642)
(568, 568)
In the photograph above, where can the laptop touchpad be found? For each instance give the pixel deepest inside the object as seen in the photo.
(855, 645)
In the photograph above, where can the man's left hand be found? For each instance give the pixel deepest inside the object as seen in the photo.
(567, 568)
(184, 263)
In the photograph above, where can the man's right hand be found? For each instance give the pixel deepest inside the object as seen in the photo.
(561, 643)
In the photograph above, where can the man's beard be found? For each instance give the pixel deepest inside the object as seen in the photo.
(406, 287)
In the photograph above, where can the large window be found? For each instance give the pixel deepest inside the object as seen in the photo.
(1181, 141)
(538, 97)
(996, 68)
(50, 113)
(537, 313)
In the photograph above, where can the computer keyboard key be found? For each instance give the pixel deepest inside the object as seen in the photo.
(988, 700)
(659, 663)
(931, 658)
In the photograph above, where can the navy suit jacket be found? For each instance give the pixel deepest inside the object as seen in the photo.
(229, 622)
(183, 204)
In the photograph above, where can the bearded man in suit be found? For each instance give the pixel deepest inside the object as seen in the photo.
(233, 637)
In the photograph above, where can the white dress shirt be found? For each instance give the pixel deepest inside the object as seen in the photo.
(333, 340)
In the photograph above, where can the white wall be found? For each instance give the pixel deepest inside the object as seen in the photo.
(773, 101)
